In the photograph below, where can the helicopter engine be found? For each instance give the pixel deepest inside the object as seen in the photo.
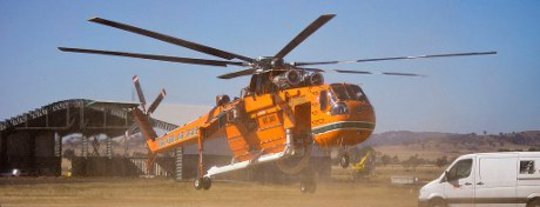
(313, 79)
(222, 99)
(287, 79)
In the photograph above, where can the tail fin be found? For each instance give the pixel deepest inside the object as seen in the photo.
(146, 128)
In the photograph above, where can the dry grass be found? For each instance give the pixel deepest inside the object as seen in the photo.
(376, 190)
(165, 192)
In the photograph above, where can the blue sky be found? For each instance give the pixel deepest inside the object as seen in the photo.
(466, 94)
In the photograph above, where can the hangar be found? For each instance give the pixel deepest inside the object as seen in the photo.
(32, 142)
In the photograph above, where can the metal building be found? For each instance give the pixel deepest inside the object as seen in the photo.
(32, 142)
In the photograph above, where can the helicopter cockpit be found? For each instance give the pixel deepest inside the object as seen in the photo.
(339, 95)
(343, 92)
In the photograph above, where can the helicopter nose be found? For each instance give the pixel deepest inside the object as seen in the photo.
(363, 112)
(363, 108)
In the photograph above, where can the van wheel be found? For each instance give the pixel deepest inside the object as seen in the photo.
(534, 203)
(437, 203)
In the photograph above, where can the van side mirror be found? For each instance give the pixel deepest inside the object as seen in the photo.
(445, 177)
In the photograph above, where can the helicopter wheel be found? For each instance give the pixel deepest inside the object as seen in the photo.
(307, 181)
(308, 186)
(344, 161)
(206, 183)
(198, 183)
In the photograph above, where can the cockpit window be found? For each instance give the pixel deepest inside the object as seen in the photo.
(355, 92)
(340, 92)
(348, 92)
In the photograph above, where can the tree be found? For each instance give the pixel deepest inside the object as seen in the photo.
(395, 159)
(413, 162)
(441, 161)
(386, 160)
(491, 143)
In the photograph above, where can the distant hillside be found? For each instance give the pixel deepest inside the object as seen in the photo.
(434, 144)
(404, 137)
(531, 138)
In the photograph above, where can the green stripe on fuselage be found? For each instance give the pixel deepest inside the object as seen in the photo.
(344, 125)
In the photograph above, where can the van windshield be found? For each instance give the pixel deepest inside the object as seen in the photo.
(462, 169)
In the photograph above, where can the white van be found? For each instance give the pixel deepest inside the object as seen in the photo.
(487, 179)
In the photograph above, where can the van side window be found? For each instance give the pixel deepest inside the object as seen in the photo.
(526, 167)
(323, 100)
(462, 169)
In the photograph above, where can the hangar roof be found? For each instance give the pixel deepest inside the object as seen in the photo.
(79, 115)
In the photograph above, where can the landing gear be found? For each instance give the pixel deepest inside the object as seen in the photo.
(207, 183)
(344, 160)
(307, 181)
(202, 183)
(308, 186)
(198, 183)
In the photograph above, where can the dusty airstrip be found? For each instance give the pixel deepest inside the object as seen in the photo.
(139, 192)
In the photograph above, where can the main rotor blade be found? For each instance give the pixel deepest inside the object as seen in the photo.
(139, 92)
(157, 101)
(352, 71)
(195, 61)
(314, 26)
(237, 74)
(383, 73)
(396, 58)
(173, 40)
(403, 74)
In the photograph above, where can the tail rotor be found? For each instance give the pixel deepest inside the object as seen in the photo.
(143, 123)
(142, 99)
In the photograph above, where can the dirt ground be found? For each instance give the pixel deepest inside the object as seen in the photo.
(62, 191)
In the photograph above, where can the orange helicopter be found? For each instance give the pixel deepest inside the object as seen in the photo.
(285, 109)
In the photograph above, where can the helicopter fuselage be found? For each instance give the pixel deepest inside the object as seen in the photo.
(340, 116)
